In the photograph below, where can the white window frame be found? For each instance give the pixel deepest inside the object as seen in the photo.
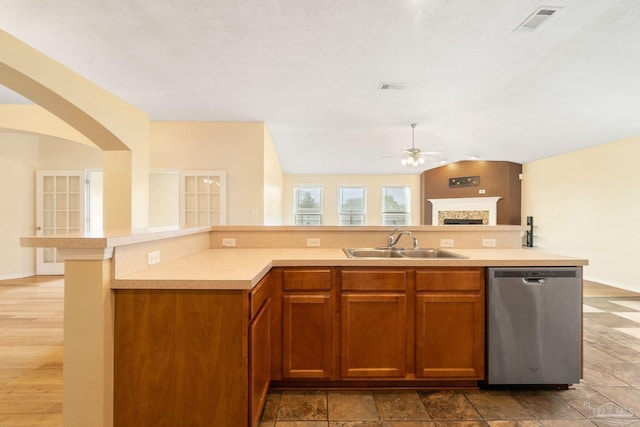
(304, 217)
(346, 216)
(392, 216)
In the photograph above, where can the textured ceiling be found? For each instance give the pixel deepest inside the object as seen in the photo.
(311, 70)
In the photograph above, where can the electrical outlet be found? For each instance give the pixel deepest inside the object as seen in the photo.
(313, 242)
(229, 243)
(482, 191)
(446, 243)
(153, 257)
(488, 243)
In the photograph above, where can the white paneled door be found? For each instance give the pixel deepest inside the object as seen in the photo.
(60, 209)
(203, 198)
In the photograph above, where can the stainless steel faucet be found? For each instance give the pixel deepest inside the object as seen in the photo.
(393, 238)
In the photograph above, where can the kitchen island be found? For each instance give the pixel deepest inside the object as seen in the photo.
(199, 338)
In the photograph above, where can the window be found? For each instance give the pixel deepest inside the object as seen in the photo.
(396, 205)
(308, 205)
(351, 205)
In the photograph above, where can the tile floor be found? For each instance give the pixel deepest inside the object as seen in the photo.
(609, 394)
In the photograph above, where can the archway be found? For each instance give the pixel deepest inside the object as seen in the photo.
(119, 129)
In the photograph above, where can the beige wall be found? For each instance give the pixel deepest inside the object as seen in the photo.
(18, 159)
(58, 154)
(236, 148)
(164, 200)
(100, 116)
(586, 204)
(330, 184)
(21, 155)
(273, 181)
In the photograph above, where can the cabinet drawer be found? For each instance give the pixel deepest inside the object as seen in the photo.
(463, 279)
(258, 296)
(307, 280)
(373, 280)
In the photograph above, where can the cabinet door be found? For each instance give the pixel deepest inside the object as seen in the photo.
(450, 336)
(306, 335)
(259, 360)
(373, 335)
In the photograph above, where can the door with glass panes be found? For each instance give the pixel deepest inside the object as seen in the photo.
(60, 209)
(203, 198)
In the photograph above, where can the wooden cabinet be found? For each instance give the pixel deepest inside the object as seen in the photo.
(450, 323)
(307, 322)
(207, 357)
(259, 348)
(373, 323)
(180, 358)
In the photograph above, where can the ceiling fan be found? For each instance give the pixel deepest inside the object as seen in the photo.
(414, 156)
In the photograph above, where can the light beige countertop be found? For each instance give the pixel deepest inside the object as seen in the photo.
(234, 268)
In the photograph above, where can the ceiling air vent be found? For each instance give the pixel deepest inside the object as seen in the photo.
(536, 19)
(393, 86)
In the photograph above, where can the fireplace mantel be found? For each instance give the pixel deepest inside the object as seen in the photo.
(489, 204)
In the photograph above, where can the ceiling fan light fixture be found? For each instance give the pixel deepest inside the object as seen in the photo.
(413, 156)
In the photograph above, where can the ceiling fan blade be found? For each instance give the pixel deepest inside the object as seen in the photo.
(418, 152)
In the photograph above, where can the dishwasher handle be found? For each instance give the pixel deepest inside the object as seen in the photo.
(534, 280)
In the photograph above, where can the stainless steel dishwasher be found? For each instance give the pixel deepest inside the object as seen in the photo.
(534, 325)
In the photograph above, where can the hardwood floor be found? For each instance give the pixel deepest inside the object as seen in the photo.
(31, 345)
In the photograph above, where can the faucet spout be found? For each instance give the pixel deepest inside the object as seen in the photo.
(393, 238)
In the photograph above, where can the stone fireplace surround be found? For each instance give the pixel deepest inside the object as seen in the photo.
(485, 208)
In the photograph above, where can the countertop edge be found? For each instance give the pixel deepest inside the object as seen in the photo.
(256, 265)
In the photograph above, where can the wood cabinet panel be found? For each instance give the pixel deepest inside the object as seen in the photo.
(309, 280)
(373, 335)
(307, 337)
(259, 295)
(180, 358)
(450, 336)
(259, 361)
(373, 280)
(448, 280)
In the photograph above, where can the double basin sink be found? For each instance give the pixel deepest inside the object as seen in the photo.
(400, 253)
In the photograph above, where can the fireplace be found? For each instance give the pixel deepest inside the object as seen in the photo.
(465, 210)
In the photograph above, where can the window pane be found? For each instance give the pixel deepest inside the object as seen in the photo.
(396, 199)
(308, 219)
(351, 219)
(308, 199)
(351, 205)
(395, 219)
(351, 199)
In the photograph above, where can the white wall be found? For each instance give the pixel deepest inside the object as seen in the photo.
(330, 184)
(587, 204)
